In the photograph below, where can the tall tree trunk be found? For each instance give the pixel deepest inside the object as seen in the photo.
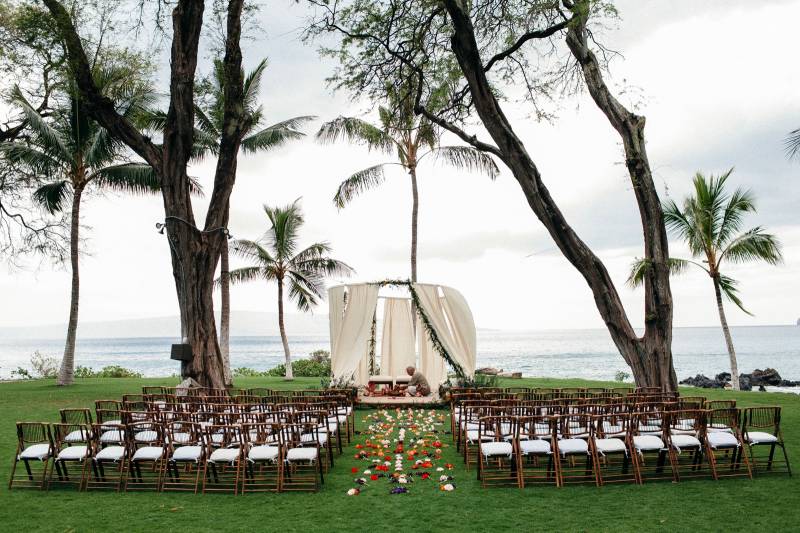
(650, 357)
(287, 354)
(67, 371)
(225, 312)
(727, 332)
(412, 171)
(194, 252)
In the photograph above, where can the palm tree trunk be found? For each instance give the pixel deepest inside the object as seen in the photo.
(414, 221)
(728, 339)
(67, 370)
(286, 352)
(225, 313)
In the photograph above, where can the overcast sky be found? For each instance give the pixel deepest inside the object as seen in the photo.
(718, 82)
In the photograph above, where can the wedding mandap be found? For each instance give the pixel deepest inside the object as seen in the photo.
(378, 329)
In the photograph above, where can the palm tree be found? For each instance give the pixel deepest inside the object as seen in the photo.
(412, 138)
(258, 138)
(711, 222)
(276, 259)
(793, 144)
(73, 153)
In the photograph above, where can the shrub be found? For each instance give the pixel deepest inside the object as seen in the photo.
(303, 368)
(621, 376)
(111, 371)
(43, 366)
(320, 356)
(246, 372)
(21, 373)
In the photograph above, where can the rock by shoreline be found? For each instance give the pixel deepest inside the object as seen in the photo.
(758, 378)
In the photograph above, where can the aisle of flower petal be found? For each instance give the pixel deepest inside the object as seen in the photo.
(399, 448)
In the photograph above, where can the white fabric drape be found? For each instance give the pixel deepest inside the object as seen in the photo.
(397, 344)
(431, 364)
(349, 350)
(335, 314)
(462, 327)
(458, 335)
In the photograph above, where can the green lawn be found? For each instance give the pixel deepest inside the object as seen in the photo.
(766, 503)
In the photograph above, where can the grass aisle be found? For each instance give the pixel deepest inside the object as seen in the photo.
(768, 503)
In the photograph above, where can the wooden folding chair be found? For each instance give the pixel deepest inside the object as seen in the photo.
(725, 444)
(536, 459)
(264, 460)
(71, 446)
(761, 429)
(223, 462)
(35, 452)
(612, 448)
(186, 453)
(497, 458)
(108, 458)
(148, 455)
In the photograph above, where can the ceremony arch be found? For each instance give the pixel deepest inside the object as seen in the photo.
(431, 328)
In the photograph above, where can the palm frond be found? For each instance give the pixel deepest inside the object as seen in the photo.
(252, 250)
(358, 183)
(468, 158)
(302, 292)
(286, 223)
(792, 144)
(324, 266)
(682, 223)
(53, 196)
(31, 159)
(244, 274)
(753, 245)
(728, 287)
(269, 138)
(357, 131)
(739, 204)
(641, 267)
(47, 137)
(252, 86)
(135, 178)
(102, 149)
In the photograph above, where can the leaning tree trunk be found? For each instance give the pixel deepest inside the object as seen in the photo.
(412, 171)
(287, 354)
(727, 332)
(650, 357)
(67, 371)
(225, 312)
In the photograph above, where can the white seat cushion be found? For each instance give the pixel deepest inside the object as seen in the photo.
(567, 446)
(36, 451)
(721, 439)
(224, 455)
(187, 453)
(535, 446)
(309, 437)
(609, 445)
(301, 454)
(79, 435)
(718, 429)
(472, 436)
(145, 436)
(263, 453)
(72, 453)
(760, 437)
(110, 453)
(494, 449)
(113, 435)
(648, 443)
(180, 438)
(148, 453)
(685, 441)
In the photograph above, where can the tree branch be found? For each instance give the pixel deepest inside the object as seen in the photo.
(536, 34)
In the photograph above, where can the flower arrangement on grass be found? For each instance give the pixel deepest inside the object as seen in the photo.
(401, 445)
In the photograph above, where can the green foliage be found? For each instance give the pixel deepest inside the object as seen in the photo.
(247, 372)
(621, 376)
(111, 371)
(303, 368)
(21, 373)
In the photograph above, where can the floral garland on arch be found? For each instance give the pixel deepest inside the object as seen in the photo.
(402, 447)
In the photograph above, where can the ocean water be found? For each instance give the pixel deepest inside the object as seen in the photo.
(558, 353)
